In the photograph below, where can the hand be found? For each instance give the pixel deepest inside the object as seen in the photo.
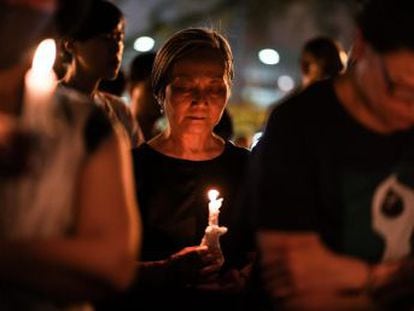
(233, 281)
(392, 283)
(190, 264)
(294, 264)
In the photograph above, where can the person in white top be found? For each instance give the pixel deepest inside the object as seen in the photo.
(68, 226)
(95, 50)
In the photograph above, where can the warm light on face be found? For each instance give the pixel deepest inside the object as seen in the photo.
(44, 58)
(213, 194)
(400, 92)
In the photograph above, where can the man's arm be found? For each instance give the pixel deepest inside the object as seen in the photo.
(297, 268)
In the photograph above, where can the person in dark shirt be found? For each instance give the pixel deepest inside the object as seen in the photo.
(333, 178)
(320, 59)
(144, 106)
(191, 78)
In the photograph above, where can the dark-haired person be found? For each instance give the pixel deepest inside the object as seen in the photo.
(95, 50)
(224, 127)
(144, 106)
(333, 178)
(68, 215)
(192, 79)
(320, 59)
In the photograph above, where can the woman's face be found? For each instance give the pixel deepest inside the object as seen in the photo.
(197, 92)
(101, 55)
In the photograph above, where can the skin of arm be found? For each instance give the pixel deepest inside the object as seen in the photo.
(101, 254)
(298, 269)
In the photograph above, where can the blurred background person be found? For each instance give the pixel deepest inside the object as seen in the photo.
(224, 127)
(95, 50)
(320, 59)
(332, 178)
(68, 219)
(144, 106)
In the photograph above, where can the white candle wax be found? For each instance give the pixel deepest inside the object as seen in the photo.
(40, 80)
(214, 207)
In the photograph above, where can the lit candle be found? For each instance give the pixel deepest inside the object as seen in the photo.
(214, 207)
(40, 80)
(212, 234)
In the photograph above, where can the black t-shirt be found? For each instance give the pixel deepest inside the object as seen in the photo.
(318, 169)
(172, 196)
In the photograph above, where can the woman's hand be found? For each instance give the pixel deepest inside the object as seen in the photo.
(233, 281)
(191, 264)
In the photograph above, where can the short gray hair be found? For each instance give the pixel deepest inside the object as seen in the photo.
(181, 44)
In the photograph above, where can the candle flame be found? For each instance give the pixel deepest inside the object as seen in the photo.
(213, 194)
(44, 57)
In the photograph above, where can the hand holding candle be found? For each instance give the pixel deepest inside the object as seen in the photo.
(213, 230)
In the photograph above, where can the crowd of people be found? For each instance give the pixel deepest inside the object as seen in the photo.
(103, 208)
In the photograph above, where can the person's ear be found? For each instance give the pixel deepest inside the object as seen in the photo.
(160, 102)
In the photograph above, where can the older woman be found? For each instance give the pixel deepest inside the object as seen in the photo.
(192, 77)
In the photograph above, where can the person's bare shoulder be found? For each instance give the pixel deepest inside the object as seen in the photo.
(116, 102)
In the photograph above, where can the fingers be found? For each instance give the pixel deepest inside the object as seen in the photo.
(209, 270)
(194, 263)
(228, 283)
(192, 249)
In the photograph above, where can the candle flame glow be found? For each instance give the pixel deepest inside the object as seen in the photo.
(44, 57)
(213, 194)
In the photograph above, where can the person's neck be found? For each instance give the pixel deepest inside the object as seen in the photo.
(189, 146)
(353, 99)
(81, 82)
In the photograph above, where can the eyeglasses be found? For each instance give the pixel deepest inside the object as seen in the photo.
(399, 91)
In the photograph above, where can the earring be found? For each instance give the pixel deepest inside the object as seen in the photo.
(160, 103)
